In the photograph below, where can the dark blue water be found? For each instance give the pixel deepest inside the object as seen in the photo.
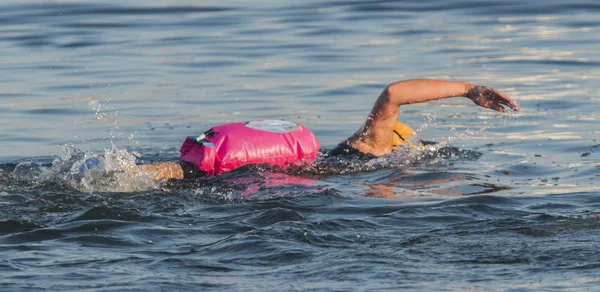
(502, 202)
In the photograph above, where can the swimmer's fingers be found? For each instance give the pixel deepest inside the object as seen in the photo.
(507, 101)
(491, 98)
(511, 105)
(497, 107)
(491, 104)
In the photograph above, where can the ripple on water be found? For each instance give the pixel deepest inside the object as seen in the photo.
(512, 205)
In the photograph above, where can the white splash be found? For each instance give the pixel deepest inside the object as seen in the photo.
(114, 171)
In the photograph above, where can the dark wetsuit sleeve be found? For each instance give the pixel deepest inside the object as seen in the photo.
(190, 171)
(344, 149)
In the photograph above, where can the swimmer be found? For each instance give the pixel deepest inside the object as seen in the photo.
(381, 131)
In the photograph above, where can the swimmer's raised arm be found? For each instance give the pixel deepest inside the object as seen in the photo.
(422, 90)
(375, 136)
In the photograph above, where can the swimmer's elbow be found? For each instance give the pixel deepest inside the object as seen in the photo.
(386, 94)
(393, 95)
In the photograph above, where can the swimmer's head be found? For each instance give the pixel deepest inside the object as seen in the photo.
(402, 135)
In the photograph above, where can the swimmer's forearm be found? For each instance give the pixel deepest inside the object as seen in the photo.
(163, 171)
(423, 90)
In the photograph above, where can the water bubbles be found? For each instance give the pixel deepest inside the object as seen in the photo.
(429, 121)
(69, 151)
(95, 105)
(119, 159)
(68, 155)
(28, 170)
(115, 171)
(91, 168)
(402, 157)
(32, 171)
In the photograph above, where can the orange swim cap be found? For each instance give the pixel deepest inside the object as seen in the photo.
(402, 135)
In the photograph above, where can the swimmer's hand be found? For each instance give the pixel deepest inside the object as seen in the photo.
(491, 98)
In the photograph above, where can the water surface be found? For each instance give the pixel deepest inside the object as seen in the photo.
(503, 202)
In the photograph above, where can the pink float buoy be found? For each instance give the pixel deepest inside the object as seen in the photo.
(226, 147)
